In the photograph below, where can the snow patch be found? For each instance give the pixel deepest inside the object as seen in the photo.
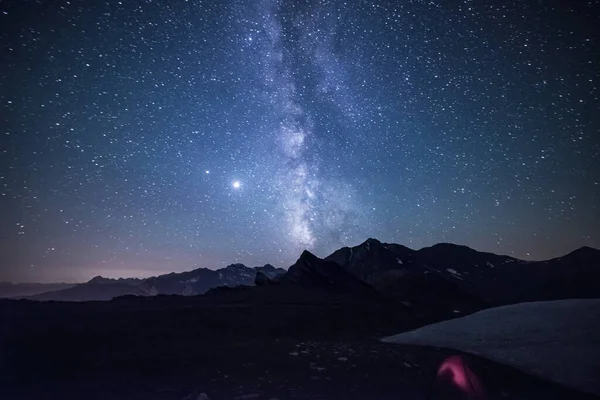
(489, 264)
(554, 340)
(399, 261)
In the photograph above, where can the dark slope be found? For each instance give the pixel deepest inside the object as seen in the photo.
(501, 280)
(575, 275)
(270, 271)
(396, 272)
(314, 272)
(448, 279)
(310, 280)
(372, 258)
(475, 273)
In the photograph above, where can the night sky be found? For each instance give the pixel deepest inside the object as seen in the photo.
(144, 137)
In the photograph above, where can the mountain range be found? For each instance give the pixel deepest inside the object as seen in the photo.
(440, 281)
(189, 283)
(469, 275)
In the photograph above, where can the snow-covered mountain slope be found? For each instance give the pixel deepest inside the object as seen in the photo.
(555, 340)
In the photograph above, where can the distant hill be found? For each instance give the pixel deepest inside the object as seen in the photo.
(16, 290)
(189, 283)
(89, 291)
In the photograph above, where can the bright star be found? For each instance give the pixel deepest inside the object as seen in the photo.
(236, 184)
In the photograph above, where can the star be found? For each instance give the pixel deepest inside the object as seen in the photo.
(300, 130)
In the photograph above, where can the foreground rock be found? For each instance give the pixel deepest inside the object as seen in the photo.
(555, 340)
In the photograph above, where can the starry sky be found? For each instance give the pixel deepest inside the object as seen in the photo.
(144, 137)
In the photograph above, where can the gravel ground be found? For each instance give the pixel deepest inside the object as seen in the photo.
(285, 369)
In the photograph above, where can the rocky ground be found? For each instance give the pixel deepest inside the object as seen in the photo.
(280, 342)
(280, 369)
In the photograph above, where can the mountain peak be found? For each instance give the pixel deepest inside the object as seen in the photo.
(447, 245)
(372, 257)
(270, 271)
(100, 279)
(266, 267)
(235, 266)
(308, 264)
(587, 249)
(585, 252)
(370, 242)
(307, 256)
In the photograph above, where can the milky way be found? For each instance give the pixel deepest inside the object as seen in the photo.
(313, 208)
(147, 137)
